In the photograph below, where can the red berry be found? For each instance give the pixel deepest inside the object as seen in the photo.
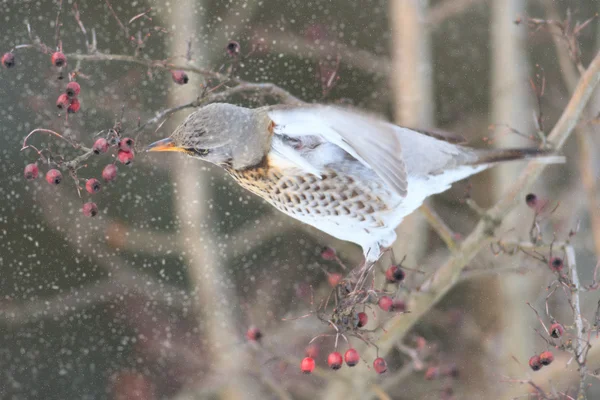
(334, 279)
(253, 334)
(100, 146)
(351, 357)
(109, 173)
(126, 144)
(58, 59)
(556, 264)
(556, 330)
(93, 185)
(73, 106)
(307, 365)
(531, 200)
(90, 209)
(363, 319)
(72, 89)
(8, 60)
(380, 365)
(31, 171)
(546, 358)
(53, 177)
(62, 102)
(398, 305)
(334, 360)
(233, 48)
(312, 350)
(386, 303)
(328, 254)
(126, 157)
(180, 77)
(432, 373)
(534, 363)
(394, 274)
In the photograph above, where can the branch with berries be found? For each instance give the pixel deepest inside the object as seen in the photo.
(438, 285)
(114, 138)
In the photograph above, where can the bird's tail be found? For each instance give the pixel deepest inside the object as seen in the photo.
(491, 156)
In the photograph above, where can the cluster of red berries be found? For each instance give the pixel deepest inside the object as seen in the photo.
(92, 186)
(538, 361)
(125, 154)
(335, 360)
(394, 274)
(53, 176)
(57, 58)
(68, 100)
(386, 303)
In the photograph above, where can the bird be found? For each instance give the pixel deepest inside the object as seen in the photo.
(349, 174)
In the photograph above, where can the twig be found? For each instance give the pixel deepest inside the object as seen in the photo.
(529, 382)
(580, 342)
(148, 63)
(123, 27)
(438, 224)
(50, 132)
(57, 24)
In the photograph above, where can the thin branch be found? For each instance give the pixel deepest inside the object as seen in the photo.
(114, 14)
(96, 57)
(581, 341)
(439, 226)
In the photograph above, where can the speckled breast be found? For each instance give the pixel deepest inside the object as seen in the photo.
(333, 196)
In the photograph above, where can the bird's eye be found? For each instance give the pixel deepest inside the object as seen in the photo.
(200, 152)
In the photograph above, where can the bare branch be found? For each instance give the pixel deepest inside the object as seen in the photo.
(438, 224)
(581, 341)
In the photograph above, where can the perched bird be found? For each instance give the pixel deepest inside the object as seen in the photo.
(350, 175)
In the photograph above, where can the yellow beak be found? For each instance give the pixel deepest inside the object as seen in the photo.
(164, 145)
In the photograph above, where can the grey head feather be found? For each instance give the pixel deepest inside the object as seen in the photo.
(223, 133)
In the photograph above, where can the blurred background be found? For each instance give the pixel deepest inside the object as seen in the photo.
(153, 297)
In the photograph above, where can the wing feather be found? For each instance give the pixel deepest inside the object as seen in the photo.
(286, 152)
(372, 142)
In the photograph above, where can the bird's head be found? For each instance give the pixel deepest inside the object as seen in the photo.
(220, 133)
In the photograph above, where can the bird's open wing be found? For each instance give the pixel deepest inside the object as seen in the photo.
(371, 141)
